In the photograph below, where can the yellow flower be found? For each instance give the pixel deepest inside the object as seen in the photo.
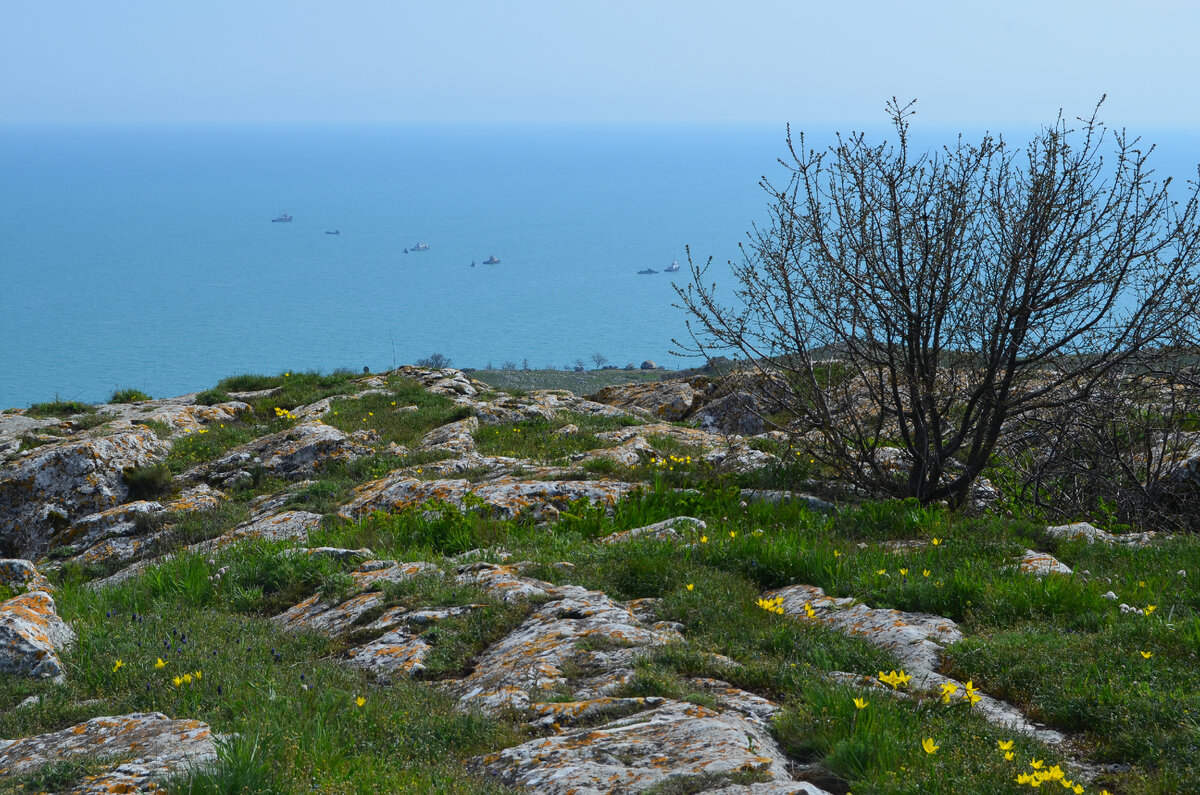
(903, 572)
(936, 541)
(881, 571)
(691, 586)
(1147, 654)
(1008, 755)
(928, 745)
(925, 572)
(394, 403)
(860, 703)
(894, 679)
(1141, 583)
(1055, 773)
(159, 663)
(948, 689)
(359, 701)
(178, 681)
(837, 554)
(808, 610)
(1005, 745)
(117, 665)
(1025, 778)
(1035, 764)
(198, 675)
(1150, 609)
(1077, 789)
(187, 679)
(703, 539)
(733, 533)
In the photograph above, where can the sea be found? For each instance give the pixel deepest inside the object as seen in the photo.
(147, 258)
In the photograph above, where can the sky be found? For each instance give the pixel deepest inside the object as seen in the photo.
(649, 61)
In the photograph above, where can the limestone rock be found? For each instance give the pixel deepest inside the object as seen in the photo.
(666, 530)
(455, 437)
(585, 628)
(631, 754)
(31, 635)
(120, 520)
(687, 436)
(627, 454)
(668, 400)
(738, 413)
(446, 381)
(739, 458)
(22, 575)
(504, 581)
(1041, 563)
(155, 745)
(1086, 532)
(504, 497)
(286, 526)
(336, 619)
(916, 639)
(57, 484)
(293, 454)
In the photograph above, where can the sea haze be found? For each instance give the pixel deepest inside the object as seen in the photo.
(147, 258)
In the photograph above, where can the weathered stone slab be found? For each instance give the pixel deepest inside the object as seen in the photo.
(293, 454)
(916, 639)
(336, 619)
(669, 400)
(154, 746)
(585, 628)
(1041, 563)
(1082, 531)
(739, 458)
(22, 575)
(59, 483)
(504, 498)
(31, 635)
(666, 530)
(455, 437)
(628, 453)
(647, 748)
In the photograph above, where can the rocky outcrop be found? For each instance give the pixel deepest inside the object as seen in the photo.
(672, 741)
(1082, 531)
(456, 437)
(1039, 564)
(22, 575)
(667, 400)
(504, 498)
(917, 640)
(666, 530)
(147, 746)
(293, 454)
(735, 414)
(58, 484)
(31, 635)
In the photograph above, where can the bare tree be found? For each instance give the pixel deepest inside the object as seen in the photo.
(927, 301)
(434, 361)
(600, 359)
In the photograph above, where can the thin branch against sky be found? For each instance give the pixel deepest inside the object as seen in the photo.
(619, 61)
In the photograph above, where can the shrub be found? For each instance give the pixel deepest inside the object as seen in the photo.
(128, 396)
(147, 483)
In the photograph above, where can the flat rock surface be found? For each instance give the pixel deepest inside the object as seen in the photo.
(505, 497)
(1082, 531)
(31, 635)
(631, 754)
(668, 400)
(152, 746)
(1040, 563)
(293, 454)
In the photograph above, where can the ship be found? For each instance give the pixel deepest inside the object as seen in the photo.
(283, 218)
(420, 247)
(491, 260)
(674, 266)
(648, 270)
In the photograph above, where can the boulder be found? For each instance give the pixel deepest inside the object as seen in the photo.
(738, 413)
(455, 437)
(57, 484)
(1082, 531)
(1041, 563)
(293, 454)
(31, 635)
(668, 400)
(22, 575)
(666, 530)
(155, 746)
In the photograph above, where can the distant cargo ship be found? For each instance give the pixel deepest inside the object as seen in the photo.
(491, 260)
(283, 218)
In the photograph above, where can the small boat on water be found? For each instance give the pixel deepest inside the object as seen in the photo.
(674, 266)
(648, 270)
(334, 232)
(283, 218)
(491, 260)
(419, 247)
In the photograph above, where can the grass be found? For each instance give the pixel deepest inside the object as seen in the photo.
(60, 408)
(1055, 646)
(128, 396)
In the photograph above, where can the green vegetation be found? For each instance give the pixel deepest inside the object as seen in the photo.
(128, 396)
(581, 383)
(60, 408)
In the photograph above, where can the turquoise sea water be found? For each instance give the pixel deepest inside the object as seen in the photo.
(147, 258)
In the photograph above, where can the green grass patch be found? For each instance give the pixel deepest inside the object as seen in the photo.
(60, 408)
(128, 396)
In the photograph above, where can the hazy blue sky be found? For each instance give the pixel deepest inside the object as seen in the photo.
(565, 60)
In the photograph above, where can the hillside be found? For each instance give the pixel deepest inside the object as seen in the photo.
(415, 582)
